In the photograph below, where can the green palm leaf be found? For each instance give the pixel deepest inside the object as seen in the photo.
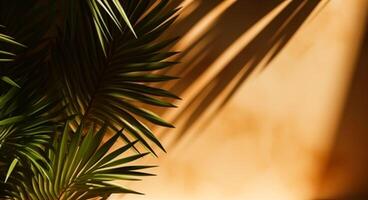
(81, 168)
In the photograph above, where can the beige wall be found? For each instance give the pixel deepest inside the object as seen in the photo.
(272, 138)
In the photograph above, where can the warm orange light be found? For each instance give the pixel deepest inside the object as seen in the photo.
(272, 139)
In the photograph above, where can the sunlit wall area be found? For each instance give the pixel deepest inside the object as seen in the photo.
(264, 85)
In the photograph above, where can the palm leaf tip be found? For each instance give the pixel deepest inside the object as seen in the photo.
(11, 168)
(9, 81)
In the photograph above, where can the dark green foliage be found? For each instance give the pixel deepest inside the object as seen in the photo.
(86, 65)
(27, 124)
(104, 88)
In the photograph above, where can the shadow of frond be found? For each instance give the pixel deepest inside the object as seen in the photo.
(223, 44)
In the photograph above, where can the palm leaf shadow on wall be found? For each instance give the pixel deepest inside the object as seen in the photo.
(217, 57)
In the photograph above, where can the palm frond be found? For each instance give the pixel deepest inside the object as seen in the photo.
(104, 88)
(81, 168)
(26, 127)
(107, 87)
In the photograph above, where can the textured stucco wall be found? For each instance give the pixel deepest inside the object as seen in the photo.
(271, 139)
